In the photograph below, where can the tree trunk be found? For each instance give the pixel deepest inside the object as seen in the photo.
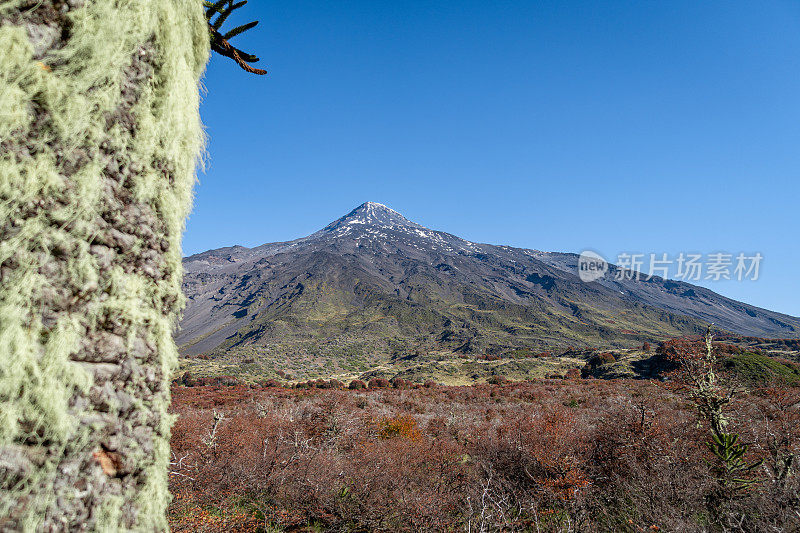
(99, 136)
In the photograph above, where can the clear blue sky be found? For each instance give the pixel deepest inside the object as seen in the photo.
(643, 126)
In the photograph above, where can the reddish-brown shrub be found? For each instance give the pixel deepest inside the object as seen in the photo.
(607, 357)
(400, 383)
(402, 426)
(357, 384)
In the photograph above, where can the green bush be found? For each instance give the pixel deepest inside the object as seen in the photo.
(756, 369)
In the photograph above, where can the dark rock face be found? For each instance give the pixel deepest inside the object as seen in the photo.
(373, 275)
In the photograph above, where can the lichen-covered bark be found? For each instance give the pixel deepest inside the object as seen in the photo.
(99, 136)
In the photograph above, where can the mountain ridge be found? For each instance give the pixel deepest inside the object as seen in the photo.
(373, 284)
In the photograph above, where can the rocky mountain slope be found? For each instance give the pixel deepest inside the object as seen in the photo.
(374, 285)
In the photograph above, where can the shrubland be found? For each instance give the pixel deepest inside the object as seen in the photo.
(545, 455)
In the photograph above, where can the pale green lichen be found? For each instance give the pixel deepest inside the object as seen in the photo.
(56, 112)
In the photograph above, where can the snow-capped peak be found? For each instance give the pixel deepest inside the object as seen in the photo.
(371, 214)
(372, 222)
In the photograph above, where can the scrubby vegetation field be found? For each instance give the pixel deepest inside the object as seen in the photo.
(580, 454)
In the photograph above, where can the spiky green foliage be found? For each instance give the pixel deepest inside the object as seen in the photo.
(711, 396)
(99, 136)
(222, 9)
(732, 466)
